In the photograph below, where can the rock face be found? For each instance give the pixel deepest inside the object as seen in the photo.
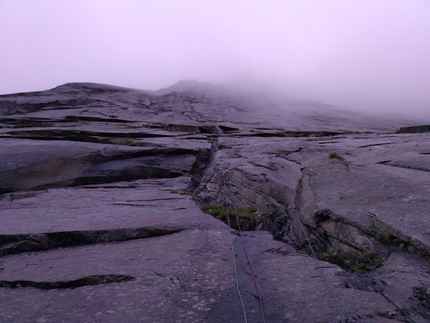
(115, 205)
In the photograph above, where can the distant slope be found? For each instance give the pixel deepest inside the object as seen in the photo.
(193, 103)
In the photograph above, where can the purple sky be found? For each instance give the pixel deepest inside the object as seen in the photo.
(370, 54)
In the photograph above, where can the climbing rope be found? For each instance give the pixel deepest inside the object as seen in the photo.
(245, 317)
(260, 299)
(307, 238)
(236, 278)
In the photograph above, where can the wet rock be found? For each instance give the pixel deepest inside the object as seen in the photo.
(414, 129)
(111, 201)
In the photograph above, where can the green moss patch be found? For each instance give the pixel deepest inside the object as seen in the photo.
(127, 142)
(366, 262)
(334, 155)
(220, 212)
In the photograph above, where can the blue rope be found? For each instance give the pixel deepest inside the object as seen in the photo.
(236, 278)
(245, 317)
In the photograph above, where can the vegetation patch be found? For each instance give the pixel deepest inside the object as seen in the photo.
(336, 256)
(334, 155)
(271, 213)
(217, 212)
(422, 293)
(32, 125)
(182, 192)
(422, 251)
(196, 198)
(132, 126)
(29, 134)
(387, 237)
(220, 212)
(275, 221)
(366, 262)
(127, 142)
(240, 217)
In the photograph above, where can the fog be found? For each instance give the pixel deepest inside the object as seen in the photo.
(371, 55)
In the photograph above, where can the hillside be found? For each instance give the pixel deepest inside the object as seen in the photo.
(199, 203)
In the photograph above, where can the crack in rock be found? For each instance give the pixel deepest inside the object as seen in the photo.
(12, 244)
(379, 144)
(393, 164)
(76, 283)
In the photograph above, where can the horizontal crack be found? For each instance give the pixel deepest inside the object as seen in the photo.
(294, 134)
(380, 144)
(85, 281)
(12, 244)
(420, 168)
(96, 119)
(79, 135)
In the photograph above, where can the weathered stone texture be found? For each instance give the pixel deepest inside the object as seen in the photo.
(102, 192)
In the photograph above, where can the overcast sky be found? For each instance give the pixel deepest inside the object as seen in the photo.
(372, 54)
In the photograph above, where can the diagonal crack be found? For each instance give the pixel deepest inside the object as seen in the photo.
(394, 164)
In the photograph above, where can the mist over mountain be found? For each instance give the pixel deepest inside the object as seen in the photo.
(272, 100)
(215, 161)
(365, 55)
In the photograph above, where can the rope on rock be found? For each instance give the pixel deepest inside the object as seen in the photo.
(245, 317)
(236, 278)
(260, 299)
(303, 229)
(224, 189)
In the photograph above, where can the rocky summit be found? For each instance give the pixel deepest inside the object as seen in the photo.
(199, 203)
